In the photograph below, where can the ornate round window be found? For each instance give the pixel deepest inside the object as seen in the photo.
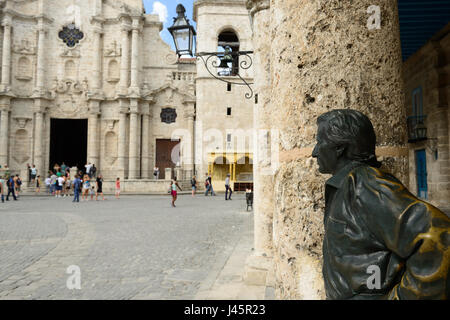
(168, 115)
(71, 35)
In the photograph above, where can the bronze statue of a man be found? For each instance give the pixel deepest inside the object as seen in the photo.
(374, 227)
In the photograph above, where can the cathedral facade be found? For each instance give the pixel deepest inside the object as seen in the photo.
(92, 81)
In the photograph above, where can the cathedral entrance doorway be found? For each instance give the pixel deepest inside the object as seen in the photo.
(68, 142)
(166, 153)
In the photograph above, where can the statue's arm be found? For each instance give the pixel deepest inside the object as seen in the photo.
(414, 230)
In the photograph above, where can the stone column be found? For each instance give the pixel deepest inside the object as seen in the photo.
(122, 140)
(145, 158)
(38, 143)
(4, 134)
(6, 55)
(125, 60)
(135, 55)
(40, 74)
(324, 56)
(189, 167)
(259, 263)
(133, 172)
(93, 139)
(97, 83)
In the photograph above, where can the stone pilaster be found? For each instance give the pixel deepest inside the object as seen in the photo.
(189, 167)
(40, 74)
(6, 54)
(258, 264)
(145, 158)
(4, 130)
(325, 57)
(122, 139)
(125, 60)
(40, 107)
(93, 129)
(134, 86)
(98, 52)
(134, 172)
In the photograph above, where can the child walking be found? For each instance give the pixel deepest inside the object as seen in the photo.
(174, 186)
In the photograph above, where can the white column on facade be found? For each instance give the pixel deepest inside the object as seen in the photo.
(135, 54)
(40, 74)
(97, 83)
(145, 164)
(134, 141)
(4, 130)
(6, 56)
(125, 60)
(122, 142)
(190, 156)
(38, 142)
(93, 140)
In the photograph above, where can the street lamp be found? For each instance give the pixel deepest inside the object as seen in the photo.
(183, 34)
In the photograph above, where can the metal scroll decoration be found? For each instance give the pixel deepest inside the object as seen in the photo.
(245, 64)
(71, 35)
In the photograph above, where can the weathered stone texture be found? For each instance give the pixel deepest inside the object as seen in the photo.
(324, 57)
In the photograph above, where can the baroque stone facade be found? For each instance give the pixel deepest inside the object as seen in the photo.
(100, 61)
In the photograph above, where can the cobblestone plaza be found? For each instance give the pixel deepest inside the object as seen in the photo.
(137, 247)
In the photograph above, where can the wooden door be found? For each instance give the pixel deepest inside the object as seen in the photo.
(164, 149)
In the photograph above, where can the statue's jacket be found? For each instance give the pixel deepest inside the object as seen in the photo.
(372, 221)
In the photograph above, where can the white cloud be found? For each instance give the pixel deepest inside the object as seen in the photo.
(161, 10)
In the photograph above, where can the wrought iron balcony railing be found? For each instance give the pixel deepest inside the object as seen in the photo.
(417, 131)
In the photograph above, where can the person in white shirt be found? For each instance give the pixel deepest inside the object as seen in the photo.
(88, 169)
(48, 182)
(59, 186)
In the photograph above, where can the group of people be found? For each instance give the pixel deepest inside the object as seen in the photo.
(12, 184)
(208, 187)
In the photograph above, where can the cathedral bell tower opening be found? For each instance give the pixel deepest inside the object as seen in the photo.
(68, 142)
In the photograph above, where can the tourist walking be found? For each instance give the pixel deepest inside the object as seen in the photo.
(99, 187)
(156, 173)
(67, 186)
(59, 186)
(11, 186)
(38, 184)
(117, 188)
(2, 187)
(86, 187)
(18, 185)
(53, 178)
(93, 171)
(48, 182)
(76, 188)
(29, 174)
(208, 185)
(228, 187)
(33, 174)
(174, 185)
(194, 185)
(88, 169)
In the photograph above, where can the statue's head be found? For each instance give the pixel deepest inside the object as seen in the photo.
(344, 135)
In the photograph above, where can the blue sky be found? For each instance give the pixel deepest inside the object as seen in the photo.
(167, 11)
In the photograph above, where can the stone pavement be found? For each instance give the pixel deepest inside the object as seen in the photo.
(138, 247)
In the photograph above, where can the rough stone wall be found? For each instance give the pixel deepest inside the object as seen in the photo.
(324, 57)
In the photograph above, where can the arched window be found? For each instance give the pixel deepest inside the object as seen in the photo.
(228, 42)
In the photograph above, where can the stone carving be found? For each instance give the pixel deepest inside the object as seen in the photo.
(381, 242)
(70, 86)
(70, 53)
(114, 50)
(22, 122)
(171, 58)
(25, 47)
